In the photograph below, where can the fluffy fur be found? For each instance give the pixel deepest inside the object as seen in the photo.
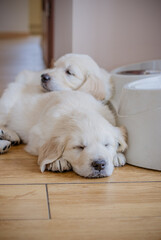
(66, 130)
(79, 72)
(71, 72)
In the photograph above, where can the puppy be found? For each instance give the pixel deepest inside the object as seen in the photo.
(70, 72)
(66, 129)
(78, 72)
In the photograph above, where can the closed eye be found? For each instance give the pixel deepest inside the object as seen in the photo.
(81, 147)
(68, 72)
(107, 144)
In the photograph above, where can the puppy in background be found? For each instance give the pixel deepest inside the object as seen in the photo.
(78, 72)
(71, 72)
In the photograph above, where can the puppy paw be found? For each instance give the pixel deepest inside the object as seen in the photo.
(9, 135)
(60, 165)
(4, 146)
(119, 160)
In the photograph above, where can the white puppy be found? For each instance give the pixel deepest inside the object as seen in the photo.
(78, 72)
(71, 72)
(65, 129)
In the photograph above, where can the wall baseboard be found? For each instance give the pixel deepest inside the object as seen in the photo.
(4, 35)
(35, 29)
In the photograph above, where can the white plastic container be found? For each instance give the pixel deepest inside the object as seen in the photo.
(140, 111)
(130, 73)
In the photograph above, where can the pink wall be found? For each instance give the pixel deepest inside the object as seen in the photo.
(114, 32)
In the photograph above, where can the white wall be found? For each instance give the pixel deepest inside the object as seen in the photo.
(62, 27)
(113, 32)
(14, 16)
(117, 32)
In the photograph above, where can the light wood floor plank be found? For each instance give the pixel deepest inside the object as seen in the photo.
(19, 167)
(85, 229)
(118, 200)
(23, 202)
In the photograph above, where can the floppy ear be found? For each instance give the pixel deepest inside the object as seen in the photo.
(50, 152)
(121, 138)
(98, 85)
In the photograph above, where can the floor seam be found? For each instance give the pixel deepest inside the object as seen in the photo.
(48, 203)
(21, 184)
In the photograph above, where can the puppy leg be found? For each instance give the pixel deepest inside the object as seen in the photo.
(4, 146)
(11, 136)
(121, 138)
(119, 160)
(59, 165)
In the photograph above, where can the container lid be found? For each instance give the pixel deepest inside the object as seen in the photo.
(140, 96)
(152, 83)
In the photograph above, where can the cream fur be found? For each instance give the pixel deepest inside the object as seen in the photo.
(56, 125)
(85, 76)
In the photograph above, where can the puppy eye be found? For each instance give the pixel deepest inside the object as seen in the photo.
(69, 72)
(107, 144)
(118, 145)
(80, 147)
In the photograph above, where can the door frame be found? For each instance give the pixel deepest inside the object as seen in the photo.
(48, 32)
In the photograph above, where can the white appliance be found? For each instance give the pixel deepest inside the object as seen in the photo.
(123, 75)
(138, 107)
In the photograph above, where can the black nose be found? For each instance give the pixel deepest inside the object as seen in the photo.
(99, 164)
(45, 77)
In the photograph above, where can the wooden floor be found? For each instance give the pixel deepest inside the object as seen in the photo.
(35, 206)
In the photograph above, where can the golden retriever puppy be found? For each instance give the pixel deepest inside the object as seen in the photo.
(70, 72)
(78, 72)
(66, 129)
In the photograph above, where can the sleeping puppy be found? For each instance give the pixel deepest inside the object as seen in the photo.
(66, 129)
(78, 72)
(70, 72)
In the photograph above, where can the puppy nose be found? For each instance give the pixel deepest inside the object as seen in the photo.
(45, 77)
(99, 164)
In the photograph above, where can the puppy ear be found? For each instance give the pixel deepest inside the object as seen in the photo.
(98, 85)
(121, 138)
(50, 152)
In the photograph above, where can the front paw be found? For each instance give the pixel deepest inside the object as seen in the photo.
(9, 135)
(60, 165)
(4, 146)
(119, 160)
